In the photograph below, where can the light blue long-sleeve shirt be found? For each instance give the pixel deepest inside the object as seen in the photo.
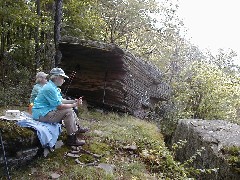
(48, 98)
(35, 91)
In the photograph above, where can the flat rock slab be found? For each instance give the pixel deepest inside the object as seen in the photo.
(215, 136)
(109, 168)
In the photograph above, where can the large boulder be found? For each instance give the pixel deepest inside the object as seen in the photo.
(221, 142)
(20, 144)
(110, 77)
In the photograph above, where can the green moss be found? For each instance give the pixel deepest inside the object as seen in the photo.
(99, 147)
(233, 157)
(233, 150)
(16, 136)
(12, 130)
(85, 158)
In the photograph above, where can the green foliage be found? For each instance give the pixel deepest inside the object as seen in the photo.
(124, 18)
(16, 13)
(224, 60)
(188, 164)
(178, 145)
(206, 92)
(168, 118)
(81, 19)
(16, 88)
(20, 26)
(232, 156)
(149, 28)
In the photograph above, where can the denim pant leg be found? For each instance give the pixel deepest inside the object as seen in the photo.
(64, 114)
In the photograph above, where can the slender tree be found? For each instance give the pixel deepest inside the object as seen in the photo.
(57, 29)
(37, 53)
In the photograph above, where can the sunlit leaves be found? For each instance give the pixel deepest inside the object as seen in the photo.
(17, 13)
(124, 18)
(207, 92)
(81, 19)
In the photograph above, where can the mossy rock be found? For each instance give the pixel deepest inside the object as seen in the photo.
(16, 138)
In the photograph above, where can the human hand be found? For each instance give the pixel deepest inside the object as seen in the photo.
(79, 101)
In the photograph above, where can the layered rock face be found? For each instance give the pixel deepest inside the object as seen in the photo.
(110, 77)
(221, 143)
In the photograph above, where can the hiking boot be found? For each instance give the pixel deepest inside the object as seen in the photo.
(82, 130)
(72, 140)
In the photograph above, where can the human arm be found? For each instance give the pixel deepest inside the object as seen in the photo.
(66, 106)
(67, 101)
(70, 103)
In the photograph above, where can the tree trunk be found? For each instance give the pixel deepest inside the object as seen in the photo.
(57, 28)
(2, 47)
(37, 55)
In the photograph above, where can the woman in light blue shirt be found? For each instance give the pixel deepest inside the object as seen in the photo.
(41, 80)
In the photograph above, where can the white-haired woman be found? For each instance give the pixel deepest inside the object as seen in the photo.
(41, 80)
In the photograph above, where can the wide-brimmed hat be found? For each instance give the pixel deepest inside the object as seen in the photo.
(41, 74)
(58, 71)
(12, 115)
